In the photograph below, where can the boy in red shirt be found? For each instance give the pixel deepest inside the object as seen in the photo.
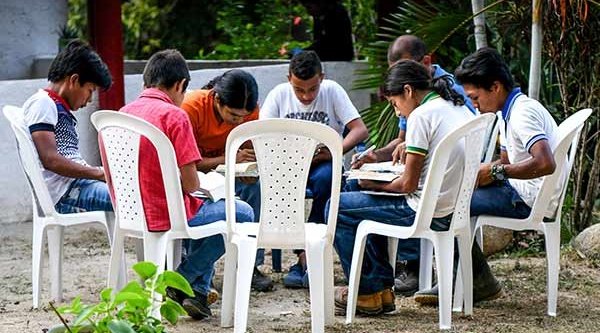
(166, 77)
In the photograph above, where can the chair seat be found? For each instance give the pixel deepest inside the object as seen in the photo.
(313, 232)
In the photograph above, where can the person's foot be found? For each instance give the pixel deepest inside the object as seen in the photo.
(197, 306)
(176, 295)
(368, 305)
(406, 282)
(261, 282)
(482, 291)
(295, 277)
(388, 300)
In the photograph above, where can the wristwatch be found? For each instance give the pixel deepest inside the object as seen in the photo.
(498, 172)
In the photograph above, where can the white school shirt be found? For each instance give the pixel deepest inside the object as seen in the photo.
(428, 124)
(524, 122)
(332, 106)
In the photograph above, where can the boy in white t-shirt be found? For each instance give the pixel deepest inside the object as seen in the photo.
(308, 96)
(433, 110)
(506, 187)
(73, 76)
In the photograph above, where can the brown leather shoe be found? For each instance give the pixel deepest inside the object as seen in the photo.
(388, 299)
(369, 305)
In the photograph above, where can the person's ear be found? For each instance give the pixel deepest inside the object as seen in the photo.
(408, 90)
(73, 78)
(496, 86)
(289, 77)
(179, 86)
(321, 77)
(426, 60)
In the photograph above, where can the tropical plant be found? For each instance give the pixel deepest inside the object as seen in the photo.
(130, 309)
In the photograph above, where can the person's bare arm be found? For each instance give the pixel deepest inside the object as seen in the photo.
(189, 178)
(540, 164)
(45, 143)
(210, 163)
(357, 132)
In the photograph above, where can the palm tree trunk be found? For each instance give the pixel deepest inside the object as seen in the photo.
(479, 22)
(535, 66)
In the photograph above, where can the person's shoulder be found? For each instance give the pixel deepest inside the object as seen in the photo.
(526, 107)
(39, 104)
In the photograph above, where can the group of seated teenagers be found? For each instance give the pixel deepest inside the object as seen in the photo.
(428, 101)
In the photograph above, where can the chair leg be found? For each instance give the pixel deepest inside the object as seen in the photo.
(355, 270)
(155, 250)
(426, 264)
(315, 254)
(329, 286)
(139, 249)
(246, 259)
(552, 235)
(444, 251)
(55, 236)
(464, 282)
(117, 259)
(392, 252)
(37, 260)
(229, 283)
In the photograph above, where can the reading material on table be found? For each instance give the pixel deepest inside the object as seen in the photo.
(383, 172)
(245, 169)
(212, 186)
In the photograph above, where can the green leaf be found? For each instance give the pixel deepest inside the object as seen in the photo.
(177, 281)
(134, 299)
(171, 311)
(120, 326)
(134, 287)
(106, 294)
(145, 269)
(84, 315)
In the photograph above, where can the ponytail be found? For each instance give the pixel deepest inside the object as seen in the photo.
(443, 86)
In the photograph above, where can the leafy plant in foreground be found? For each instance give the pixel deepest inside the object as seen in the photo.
(131, 309)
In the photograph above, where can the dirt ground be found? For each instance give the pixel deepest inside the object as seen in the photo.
(520, 309)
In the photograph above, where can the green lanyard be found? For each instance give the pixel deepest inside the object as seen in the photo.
(430, 95)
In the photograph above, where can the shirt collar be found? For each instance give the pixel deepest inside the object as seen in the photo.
(157, 94)
(510, 100)
(58, 99)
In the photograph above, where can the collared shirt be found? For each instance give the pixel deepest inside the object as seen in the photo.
(47, 111)
(154, 106)
(524, 122)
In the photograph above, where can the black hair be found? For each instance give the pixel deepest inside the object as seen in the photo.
(79, 58)
(236, 89)
(483, 67)
(406, 45)
(418, 76)
(305, 65)
(165, 68)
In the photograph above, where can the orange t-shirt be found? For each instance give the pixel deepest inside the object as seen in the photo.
(210, 132)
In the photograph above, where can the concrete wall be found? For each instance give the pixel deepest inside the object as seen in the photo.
(15, 198)
(29, 29)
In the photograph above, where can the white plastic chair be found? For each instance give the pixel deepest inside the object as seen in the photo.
(121, 134)
(473, 133)
(46, 220)
(284, 149)
(566, 149)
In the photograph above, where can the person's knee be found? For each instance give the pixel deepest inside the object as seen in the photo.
(243, 212)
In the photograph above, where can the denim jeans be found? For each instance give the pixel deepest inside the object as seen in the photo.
(408, 249)
(499, 199)
(85, 195)
(319, 183)
(356, 206)
(198, 267)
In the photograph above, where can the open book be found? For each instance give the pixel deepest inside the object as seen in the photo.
(212, 186)
(246, 169)
(383, 172)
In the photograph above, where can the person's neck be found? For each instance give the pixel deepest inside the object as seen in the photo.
(60, 88)
(420, 95)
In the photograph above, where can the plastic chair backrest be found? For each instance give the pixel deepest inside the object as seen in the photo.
(30, 162)
(120, 135)
(284, 149)
(492, 139)
(564, 156)
(473, 136)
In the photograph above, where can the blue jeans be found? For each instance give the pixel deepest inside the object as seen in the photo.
(356, 206)
(499, 199)
(198, 267)
(408, 249)
(85, 195)
(319, 183)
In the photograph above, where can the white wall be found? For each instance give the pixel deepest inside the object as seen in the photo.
(28, 29)
(15, 198)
